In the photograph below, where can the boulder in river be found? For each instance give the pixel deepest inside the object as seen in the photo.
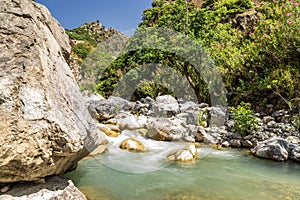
(105, 109)
(109, 130)
(45, 127)
(274, 148)
(188, 154)
(164, 129)
(295, 152)
(132, 144)
(127, 121)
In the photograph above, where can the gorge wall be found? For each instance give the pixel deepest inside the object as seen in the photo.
(45, 127)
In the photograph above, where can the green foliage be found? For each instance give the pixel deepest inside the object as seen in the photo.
(264, 58)
(244, 119)
(151, 89)
(202, 118)
(255, 44)
(92, 67)
(160, 73)
(82, 49)
(83, 35)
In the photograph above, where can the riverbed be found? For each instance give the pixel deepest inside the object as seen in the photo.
(229, 174)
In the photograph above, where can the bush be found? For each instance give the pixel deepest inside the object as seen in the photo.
(244, 119)
(82, 49)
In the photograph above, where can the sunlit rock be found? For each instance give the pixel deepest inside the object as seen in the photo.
(164, 129)
(109, 130)
(132, 144)
(188, 154)
(45, 127)
(165, 106)
(127, 121)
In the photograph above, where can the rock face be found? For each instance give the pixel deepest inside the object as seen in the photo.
(275, 149)
(45, 127)
(54, 188)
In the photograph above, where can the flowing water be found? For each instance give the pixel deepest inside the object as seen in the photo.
(216, 175)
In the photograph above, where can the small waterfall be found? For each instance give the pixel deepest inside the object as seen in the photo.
(154, 159)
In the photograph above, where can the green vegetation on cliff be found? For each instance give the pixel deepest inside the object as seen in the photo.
(85, 42)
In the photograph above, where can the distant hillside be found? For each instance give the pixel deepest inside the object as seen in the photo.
(87, 39)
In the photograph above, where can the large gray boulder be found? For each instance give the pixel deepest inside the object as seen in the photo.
(218, 115)
(165, 106)
(53, 188)
(294, 152)
(164, 129)
(45, 127)
(274, 148)
(105, 109)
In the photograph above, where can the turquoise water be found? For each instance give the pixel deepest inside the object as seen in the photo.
(218, 175)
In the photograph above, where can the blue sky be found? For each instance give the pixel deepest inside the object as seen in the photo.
(122, 15)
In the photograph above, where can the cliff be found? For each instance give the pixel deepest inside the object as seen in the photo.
(45, 127)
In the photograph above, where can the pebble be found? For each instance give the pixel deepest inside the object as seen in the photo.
(4, 189)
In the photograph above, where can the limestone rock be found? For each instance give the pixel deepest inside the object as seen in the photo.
(217, 116)
(295, 153)
(188, 154)
(132, 144)
(105, 109)
(267, 119)
(293, 139)
(127, 121)
(166, 106)
(274, 148)
(54, 188)
(247, 144)
(110, 130)
(92, 97)
(164, 129)
(101, 149)
(45, 127)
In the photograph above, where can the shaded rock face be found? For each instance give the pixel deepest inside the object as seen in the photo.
(54, 188)
(45, 127)
(295, 153)
(105, 109)
(275, 149)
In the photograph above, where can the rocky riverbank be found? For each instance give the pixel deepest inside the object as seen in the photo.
(166, 119)
(54, 187)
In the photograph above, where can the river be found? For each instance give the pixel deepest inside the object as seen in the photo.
(230, 174)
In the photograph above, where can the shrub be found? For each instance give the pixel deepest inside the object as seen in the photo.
(202, 118)
(244, 119)
(82, 49)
